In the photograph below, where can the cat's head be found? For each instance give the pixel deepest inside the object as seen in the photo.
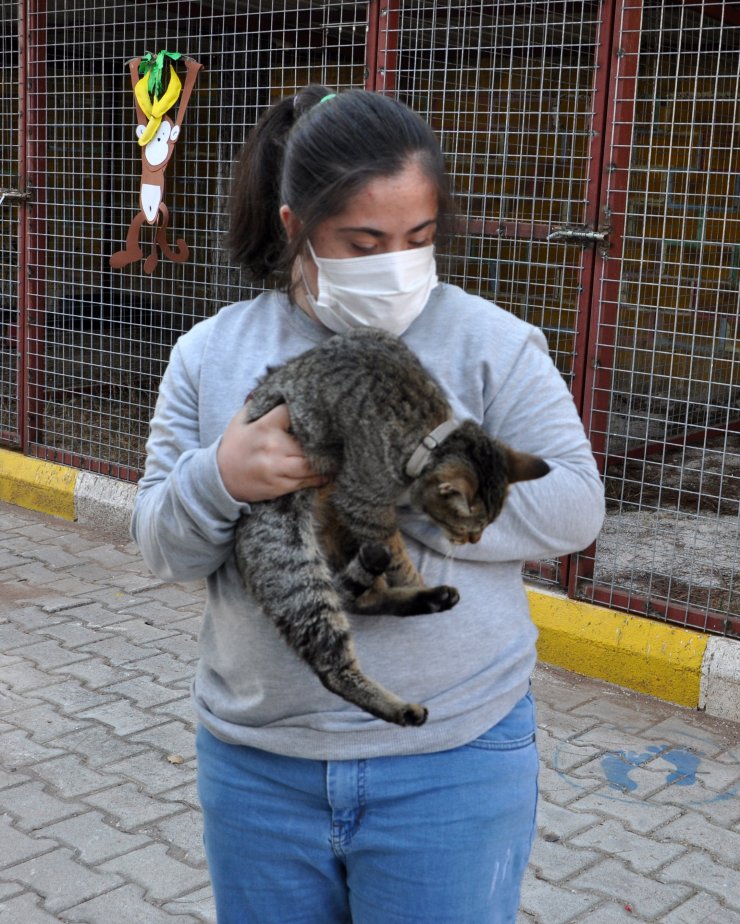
(464, 486)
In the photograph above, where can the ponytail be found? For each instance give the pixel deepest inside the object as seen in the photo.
(314, 152)
(256, 237)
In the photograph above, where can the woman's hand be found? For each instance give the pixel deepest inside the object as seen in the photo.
(260, 460)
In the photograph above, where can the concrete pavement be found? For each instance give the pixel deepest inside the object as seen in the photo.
(639, 816)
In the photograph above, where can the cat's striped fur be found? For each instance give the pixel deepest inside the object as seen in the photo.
(360, 404)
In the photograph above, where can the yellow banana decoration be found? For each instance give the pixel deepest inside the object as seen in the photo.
(156, 109)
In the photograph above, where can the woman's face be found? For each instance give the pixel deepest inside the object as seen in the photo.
(390, 214)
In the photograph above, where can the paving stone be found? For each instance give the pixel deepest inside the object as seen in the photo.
(612, 913)
(701, 908)
(125, 904)
(49, 655)
(98, 745)
(705, 736)
(143, 630)
(74, 634)
(173, 737)
(722, 809)
(18, 846)
(184, 832)
(157, 612)
(44, 722)
(638, 815)
(558, 788)
(181, 709)
(130, 807)
(118, 650)
(18, 750)
(25, 909)
(12, 637)
(563, 822)
(643, 854)
(144, 692)
(11, 702)
(95, 616)
(33, 807)
(694, 830)
(85, 782)
(167, 670)
(38, 616)
(152, 769)
(109, 557)
(60, 880)
(72, 696)
(122, 716)
(161, 876)
(550, 904)
(613, 880)
(71, 777)
(94, 673)
(52, 556)
(199, 903)
(556, 862)
(704, 873)
(93, 838)
(181, 646)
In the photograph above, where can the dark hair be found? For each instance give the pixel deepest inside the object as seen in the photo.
(314, 154)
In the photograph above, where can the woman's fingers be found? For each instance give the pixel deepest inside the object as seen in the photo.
(261, 460)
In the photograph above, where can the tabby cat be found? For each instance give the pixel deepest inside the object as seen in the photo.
(367, 414)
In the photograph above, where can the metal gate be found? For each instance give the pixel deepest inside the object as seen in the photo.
(594, 148)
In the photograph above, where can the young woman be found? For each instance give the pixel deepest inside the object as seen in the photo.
(314, 811)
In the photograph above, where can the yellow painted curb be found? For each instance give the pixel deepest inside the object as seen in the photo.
(632, 651)
(37, 485)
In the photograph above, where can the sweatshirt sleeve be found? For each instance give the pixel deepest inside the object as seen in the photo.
(533, 411)
(184, 518)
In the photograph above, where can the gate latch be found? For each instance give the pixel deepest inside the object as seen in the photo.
(581, 236)
(15, 195)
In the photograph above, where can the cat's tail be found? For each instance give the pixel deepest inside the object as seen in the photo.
(281, 563)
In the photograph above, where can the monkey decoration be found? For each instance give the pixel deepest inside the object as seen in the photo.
(156, 134)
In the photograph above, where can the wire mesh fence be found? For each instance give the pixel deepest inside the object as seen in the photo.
(594, 149)
(666, 403)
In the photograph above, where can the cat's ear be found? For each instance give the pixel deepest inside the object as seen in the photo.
(455, 495)
(525, 467)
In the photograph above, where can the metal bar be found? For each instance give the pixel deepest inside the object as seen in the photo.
(386, 71)
(112, 469)
(536, 231)
(615, 178)
(34, 343)
(22, 270)
(695, 437)
(663, 610)
(371, 45)
(576, 568)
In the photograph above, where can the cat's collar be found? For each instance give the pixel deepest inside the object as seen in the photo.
(420, 456)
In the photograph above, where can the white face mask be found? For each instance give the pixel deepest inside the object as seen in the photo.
(385, 290)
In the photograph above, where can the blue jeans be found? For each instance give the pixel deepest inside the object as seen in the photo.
(439, 837)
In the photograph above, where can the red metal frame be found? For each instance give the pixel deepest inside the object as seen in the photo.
(32, 253)
(597, 351)
(382, 45)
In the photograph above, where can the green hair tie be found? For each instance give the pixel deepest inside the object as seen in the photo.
(328, 96)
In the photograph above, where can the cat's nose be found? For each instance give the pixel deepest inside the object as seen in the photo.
(474, 537)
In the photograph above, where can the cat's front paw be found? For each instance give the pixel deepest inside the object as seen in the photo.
(411, 714)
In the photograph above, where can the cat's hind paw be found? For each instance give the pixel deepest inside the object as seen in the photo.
(374, 557)
(438, 599)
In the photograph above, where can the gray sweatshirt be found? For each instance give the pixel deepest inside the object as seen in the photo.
(470, 665)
